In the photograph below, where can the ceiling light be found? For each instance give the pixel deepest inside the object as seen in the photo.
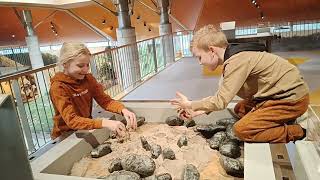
(261, 15)
(104, 21)
(111, 27)
(149, 29)
(144, 23)
(13, 35)
(138, 17)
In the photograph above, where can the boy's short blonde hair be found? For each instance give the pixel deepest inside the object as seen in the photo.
(209, 36)
(71, 50)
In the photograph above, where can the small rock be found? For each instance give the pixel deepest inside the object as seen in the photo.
(140, 164)
(207, 131)
(174, 121)
(183, 141)
(230, 133)
(164, 176)
(217, 139)
(226, 121)
(189, 123)
(190, 172)
(101, 150)
(140, 121)
(145, 143)
(168, 153)
(115, 165)
(232, 166)
(155, 151)
(123, 175)
(230, 148)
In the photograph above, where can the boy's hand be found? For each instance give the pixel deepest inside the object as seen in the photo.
(131, 118)
(181, 101)
(187, 114)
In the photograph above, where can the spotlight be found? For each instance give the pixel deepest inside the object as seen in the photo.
(253, 1)
(51, 24)
(13, 35)
(149, 29)
(111, 27)
(261, 15)
(144, 23)
(56, 34)
(104, 21)
(138, 17)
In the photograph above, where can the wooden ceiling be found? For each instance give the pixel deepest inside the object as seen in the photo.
(192, 14)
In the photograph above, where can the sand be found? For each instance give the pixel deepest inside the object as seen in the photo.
(197, 153)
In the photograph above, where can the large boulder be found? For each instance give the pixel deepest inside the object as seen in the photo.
(123, 175)
(168, 153)
(174, 121)
(217, 139)
(207, 131)
(140, 164)
(190, 172)
(232, 166)
(101, 150)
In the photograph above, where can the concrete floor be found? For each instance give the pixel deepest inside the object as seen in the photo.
(186, 76)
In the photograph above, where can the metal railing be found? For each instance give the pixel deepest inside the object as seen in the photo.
(120, 70)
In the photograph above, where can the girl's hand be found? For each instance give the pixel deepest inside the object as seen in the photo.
(115, 126)
(131, 119)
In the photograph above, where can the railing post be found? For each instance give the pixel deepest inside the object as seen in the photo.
(93, 67)
(154, 55)
(164, 51)
(23, 115)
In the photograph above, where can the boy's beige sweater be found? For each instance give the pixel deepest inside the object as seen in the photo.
(258, 76)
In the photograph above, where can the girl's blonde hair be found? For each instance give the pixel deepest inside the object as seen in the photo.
(71, 50)
(209, 36)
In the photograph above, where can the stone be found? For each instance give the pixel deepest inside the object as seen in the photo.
(123, 175)
(120, 118)
(140, 164)
(101, 150)
(216, 140)
(230, 148)
(189, 123)
(207, 131)
(230, 133)
(168, 153)
(190, 172)
(183, 141)
(115, 165)
(164, 176)
(226, 121)
(232, 166)
(174, 121)
(155, 150)
(145, 143)
(140, 121)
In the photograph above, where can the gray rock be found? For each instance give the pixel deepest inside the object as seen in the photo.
(230, 148)
(168, 153)
(115, 165)
(123, 175)
(140, 121)
(226, 121)
(153, 177)
(155, 151)
(101, 150)
(230, 133)
(189, 123)
(140, 164)
(207, 131)
(183, 141)
(145, 143)
(190, 172)
(164, 176)
(232, 166)
(174, 121)
(217, 139)
(120, 118)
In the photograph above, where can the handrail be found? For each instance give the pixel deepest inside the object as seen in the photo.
(108, 50)
(17, 75)
(14, 76)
